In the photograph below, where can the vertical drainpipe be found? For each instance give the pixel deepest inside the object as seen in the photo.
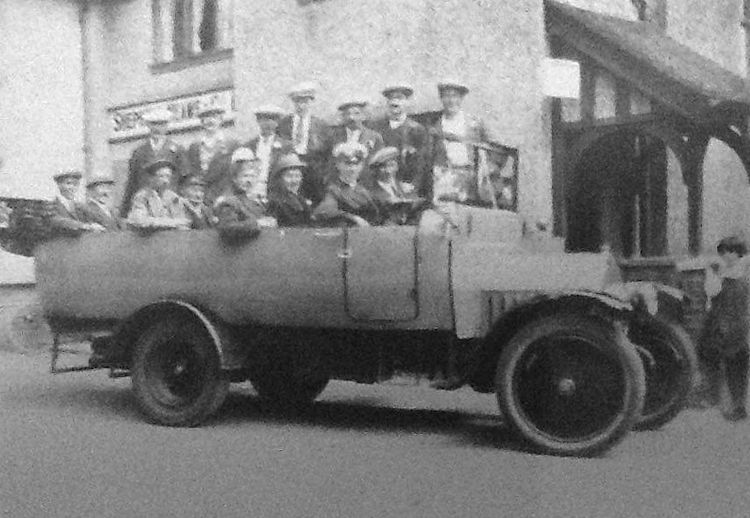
(85, 87)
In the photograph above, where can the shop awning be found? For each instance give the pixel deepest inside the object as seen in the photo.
(664, 69)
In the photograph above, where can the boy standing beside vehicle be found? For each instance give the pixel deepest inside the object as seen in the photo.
(723, 346)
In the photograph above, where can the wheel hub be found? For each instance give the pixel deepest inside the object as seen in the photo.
(566, 386)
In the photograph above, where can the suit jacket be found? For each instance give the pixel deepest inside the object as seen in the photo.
(280, 148)
(411, 134)
(217, 175)
(67, 222)
(317, 137)
(93, 213)
(142, 157)
(237, 215)
(342, 200)
(289, 209)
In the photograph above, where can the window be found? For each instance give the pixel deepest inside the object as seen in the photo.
(186, 28)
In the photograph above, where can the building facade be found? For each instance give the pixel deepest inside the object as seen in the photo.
(673, 131)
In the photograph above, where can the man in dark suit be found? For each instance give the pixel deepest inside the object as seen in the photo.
(397, 206)
(193, 200)
(209, 157)
(309, 137)
(285, 201)
(268, 146)
(98, 208)
(68, 216)
(405, 134)
(157, 147)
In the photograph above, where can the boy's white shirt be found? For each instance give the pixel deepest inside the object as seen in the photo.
(712, 283)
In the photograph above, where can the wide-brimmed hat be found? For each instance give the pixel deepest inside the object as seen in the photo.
(402, 88)
(68, 173)
(289, 161)
(305, 89)
(99, 180)
(352, 152)
(452, 84)
(383, 155)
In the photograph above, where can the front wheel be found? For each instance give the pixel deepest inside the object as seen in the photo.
(669, 361)
(570, 384)
(176, 374)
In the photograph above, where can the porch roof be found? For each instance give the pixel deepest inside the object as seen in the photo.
(644, 55)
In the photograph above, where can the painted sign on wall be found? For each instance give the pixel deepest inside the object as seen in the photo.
(127, 121)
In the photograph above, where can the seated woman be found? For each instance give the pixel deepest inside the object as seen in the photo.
(285, 202)
(242, 212)
(156, 206)
(345, 199)
(397, 204)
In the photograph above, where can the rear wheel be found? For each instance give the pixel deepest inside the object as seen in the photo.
(570, 384)
(669, 361)
(176, 373)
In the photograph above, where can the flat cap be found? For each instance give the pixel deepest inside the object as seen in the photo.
(357, 101)
(383, 155)
(243, 154)
(452, 84)
(210, 109)
(401, 88)
(269, 111)
(100, 180)
(68, 173)
(154, 166)
(288, 161)
(349, 151)
(156, 116)
(307, 89)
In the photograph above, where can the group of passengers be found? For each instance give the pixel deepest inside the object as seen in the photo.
(297, 172)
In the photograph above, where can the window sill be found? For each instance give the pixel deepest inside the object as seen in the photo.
(191, 61)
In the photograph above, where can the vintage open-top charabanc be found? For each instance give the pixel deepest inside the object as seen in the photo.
(575, 357)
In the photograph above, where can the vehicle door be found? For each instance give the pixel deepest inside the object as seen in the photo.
(380, 273)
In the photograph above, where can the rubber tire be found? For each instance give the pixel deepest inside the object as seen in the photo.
(281, 387)
(681, 353)
(619, 352)
(165, 337)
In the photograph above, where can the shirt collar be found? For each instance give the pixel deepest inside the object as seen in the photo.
(395, 123)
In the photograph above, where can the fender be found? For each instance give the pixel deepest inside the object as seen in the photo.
(652, 298)
(231, 356)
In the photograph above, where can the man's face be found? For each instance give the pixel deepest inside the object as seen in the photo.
(397, 103)
(158, 129)
(211, 121)
(101, 192)
(162, 178)
(246, 176)
(349, 170)
(387, 171)
(194, 192)
(267, 125)
(452, 100)
(291, 179)
(354, 116)
(68, 187)
(302, 105)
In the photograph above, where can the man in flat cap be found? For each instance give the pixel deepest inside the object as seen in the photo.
(156, 206)
(396, 204)
(408, 136)
(157, 147)
(241, 213)
(194, 202)
(69, 217)
(268, 146)
(209, 157)
(98, 206)
(347, 200)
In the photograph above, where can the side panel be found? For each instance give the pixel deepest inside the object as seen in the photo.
(381, 274)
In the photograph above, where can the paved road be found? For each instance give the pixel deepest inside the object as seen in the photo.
(75, 446)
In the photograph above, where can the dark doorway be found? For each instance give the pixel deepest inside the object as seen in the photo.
(618, 196)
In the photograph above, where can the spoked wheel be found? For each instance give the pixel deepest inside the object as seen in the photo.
(570, 384)
(177, 376)
(669, 361)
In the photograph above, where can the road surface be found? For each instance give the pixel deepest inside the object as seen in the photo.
(75, 445)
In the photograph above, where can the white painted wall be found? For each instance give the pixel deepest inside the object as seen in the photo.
(41, 99)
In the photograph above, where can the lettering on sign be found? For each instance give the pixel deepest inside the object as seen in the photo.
(128, 122)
